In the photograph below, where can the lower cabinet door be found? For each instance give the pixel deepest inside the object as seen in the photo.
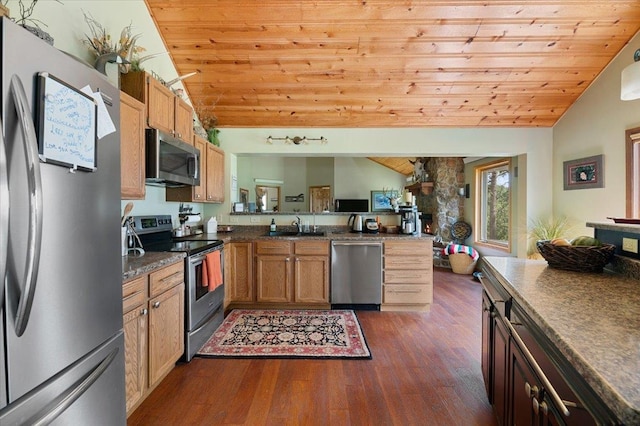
(166, 332)
(499, 366)
(135, 353)
(525, 389)
(311, 279)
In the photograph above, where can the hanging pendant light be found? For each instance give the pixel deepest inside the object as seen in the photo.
(630, 85)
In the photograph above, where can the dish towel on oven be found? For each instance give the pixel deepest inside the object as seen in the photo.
(212, 268)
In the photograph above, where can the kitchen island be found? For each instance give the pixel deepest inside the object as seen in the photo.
(591, 321)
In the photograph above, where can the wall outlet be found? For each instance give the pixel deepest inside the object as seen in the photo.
(630, 245)
(255, 219)
(233, 219)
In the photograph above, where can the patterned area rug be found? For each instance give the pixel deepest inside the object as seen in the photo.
(288, 334)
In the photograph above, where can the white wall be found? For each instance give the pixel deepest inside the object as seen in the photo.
(594, 125)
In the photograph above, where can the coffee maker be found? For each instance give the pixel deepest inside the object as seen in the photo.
(408, 219)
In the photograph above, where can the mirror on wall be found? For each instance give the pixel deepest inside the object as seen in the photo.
(320, 199)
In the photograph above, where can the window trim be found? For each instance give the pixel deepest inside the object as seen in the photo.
(632, 143)
(506, 247)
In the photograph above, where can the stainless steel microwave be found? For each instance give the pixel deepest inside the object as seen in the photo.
(171, 162)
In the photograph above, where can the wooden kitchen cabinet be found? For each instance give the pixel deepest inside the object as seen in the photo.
(132, 148)
(215, 174)
(239, 283)
(211, 188)
(311, 271)
(515, 387)
(153, 308)
(291, 273)
(166, 332)
(134, 297)
(407, 275)
(273, 271)
(165, 111)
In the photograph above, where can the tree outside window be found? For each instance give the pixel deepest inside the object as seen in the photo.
(494, 213)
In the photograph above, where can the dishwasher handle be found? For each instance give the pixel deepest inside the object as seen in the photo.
(356, 243)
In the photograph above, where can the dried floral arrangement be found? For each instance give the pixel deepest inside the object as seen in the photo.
(26, 12)
(100, 42)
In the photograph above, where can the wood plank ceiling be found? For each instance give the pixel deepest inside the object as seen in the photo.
(391, 63)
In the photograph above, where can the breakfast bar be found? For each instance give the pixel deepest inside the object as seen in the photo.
(592, 323)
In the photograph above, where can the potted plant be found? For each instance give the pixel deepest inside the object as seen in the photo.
(546, 228)
(26, 13)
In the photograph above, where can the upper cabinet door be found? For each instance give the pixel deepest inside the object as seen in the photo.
(215, 174)
(160, 106)
(132, 160)
(183, 120)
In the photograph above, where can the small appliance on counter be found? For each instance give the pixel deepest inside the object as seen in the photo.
(355, 221)
(371, 226)
(409, 219)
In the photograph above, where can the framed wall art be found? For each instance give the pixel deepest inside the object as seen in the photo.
(380, 202)
(584, 173)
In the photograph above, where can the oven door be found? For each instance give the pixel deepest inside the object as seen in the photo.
(200, 301)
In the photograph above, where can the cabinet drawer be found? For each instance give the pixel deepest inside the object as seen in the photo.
(273, 247)
(320, 248)
(407, 262)
(409, 294)
(407, 276)
(134, 293)
(408, 248)
(165, 278)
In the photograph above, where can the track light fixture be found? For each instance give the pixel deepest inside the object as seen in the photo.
(297, 140)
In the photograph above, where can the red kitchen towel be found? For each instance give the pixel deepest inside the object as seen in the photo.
(205, 273)
(214, 270)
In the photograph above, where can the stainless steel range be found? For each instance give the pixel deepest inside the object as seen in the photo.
(204, 310)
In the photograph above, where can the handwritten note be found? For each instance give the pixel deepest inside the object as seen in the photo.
(68, 125)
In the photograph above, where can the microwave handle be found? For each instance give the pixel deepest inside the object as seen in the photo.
(193, 166)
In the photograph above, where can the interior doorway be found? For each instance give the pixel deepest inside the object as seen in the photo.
(319, 198)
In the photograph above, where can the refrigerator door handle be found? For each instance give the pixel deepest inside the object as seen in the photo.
(72, 393)
(34, 180)
(4, 211)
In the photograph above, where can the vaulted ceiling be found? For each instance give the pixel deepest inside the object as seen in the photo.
(391, 63)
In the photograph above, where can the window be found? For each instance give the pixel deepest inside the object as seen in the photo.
(493, 215)
(633, 172)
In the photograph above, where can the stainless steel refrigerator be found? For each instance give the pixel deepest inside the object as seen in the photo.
(61, 339)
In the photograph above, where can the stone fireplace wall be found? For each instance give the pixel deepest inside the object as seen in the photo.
(444, 203)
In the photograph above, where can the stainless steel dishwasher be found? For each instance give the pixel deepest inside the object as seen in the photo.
(356, 274)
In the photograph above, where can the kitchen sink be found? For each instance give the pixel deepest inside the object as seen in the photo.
(295, 234)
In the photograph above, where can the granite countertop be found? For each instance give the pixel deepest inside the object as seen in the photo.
(593, 319)
(245, 233)
(620, 227)
(132, 266)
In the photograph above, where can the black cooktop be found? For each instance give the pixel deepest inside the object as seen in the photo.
(155, 233)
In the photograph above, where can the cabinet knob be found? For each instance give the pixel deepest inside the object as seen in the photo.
(156, 305)
(544, 408)
(144, 311)
(532, 392)
(536, 406)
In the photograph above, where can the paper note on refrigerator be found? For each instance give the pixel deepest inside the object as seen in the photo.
(105, 124)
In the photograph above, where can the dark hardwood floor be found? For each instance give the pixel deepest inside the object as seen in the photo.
(425, 370)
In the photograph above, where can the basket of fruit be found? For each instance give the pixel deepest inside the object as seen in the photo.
(582, 254)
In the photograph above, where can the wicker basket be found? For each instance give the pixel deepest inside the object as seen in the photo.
(462, 263)
(576, 258)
